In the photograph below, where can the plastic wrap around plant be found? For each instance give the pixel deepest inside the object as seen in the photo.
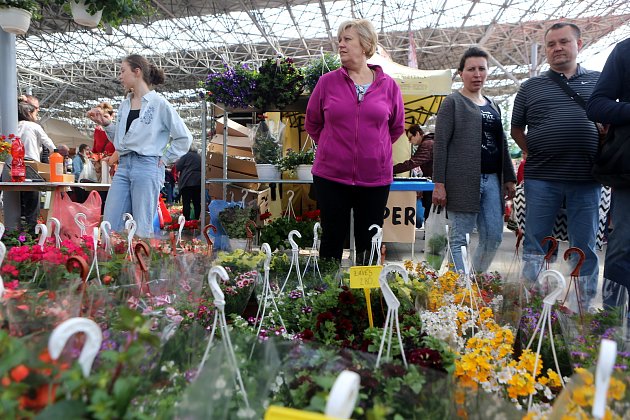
(266, 139)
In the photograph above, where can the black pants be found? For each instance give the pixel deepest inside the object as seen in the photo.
(335, 201)
(29, 209)
(427, 198)
(191, 194)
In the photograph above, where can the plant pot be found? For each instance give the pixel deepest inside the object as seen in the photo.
(304, 172)
(267, 171)
(81, 15)
(14, 20)
(237, 243)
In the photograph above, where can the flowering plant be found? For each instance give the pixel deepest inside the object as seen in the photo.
(233, 87)
(276, 233)
(318, 67)
(28, 5)
(5, 146)
(293, 158)
(233, 220)
(279, 83)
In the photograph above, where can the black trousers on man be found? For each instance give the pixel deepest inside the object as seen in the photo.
(335, 201)
(191, 195)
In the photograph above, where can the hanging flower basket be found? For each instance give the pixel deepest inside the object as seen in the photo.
(14, 20)
(82, 16)
(304, 172)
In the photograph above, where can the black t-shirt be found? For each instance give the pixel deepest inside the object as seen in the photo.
(491, 144)
(133, 114)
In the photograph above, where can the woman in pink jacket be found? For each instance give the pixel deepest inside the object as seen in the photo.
(354, 115)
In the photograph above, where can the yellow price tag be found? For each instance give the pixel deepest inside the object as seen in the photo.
(365, 277)
(283, 413)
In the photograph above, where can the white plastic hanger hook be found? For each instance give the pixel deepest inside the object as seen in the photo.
(68, 328)
(290, 194)
(43, 234)
(127, 216)
(267, 250)
(105, 228)
(605, 364)
(245, 192)
(3, 252)
(561, 284)
(2, 229)
(379, 232)
(393, 268)
(80, 219)
(316, 228)
(219, 297)
(294, 245)
(343, 395)
(181, 221)
(130, 226)
(55, 225)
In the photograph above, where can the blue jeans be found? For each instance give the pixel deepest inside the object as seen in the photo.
(489, 222)
(617, 263)
(135, 189)
(543, 201)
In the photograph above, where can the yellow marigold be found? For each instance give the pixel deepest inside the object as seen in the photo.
(543, 380)
(520, 385)
(554, 378)
(616, 389)
(583, 395)
(527, 361)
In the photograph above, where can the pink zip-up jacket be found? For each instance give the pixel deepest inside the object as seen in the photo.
(354, 139)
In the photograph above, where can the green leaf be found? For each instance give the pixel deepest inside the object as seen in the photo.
(67, 409)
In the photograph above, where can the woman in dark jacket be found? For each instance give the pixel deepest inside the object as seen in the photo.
(472, 169)
(189, 168)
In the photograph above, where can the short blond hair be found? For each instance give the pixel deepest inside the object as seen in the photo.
(368, 38)
(106, 107)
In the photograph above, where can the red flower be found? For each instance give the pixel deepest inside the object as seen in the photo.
(323, 317)
(307, 335)
(344, 324)
(347, 298)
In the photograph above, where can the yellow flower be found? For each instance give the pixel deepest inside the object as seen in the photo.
(617, 389)
(554, 378)
(583, 395)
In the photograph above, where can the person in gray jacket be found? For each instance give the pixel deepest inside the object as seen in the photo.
(472, 169)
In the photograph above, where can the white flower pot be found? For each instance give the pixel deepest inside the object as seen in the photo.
(304, 172)
(14, 20)
(82, 16)
(267, 171)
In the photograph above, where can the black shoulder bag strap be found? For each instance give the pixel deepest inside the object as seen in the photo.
(564, 84)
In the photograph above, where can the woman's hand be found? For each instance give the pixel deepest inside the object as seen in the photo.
(99, 117)
(509, 189)
(439, 194)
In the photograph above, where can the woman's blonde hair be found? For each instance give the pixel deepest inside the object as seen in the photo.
(368, 38)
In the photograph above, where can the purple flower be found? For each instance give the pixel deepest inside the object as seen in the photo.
(22, 237)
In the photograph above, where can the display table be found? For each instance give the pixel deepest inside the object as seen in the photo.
(51, 186)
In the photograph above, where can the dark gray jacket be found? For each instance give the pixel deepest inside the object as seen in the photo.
(457, 152)
(189, 168)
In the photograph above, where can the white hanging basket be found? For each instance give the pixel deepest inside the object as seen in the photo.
(267, 171)
(304, 172)
(81, 15)
(14, 20)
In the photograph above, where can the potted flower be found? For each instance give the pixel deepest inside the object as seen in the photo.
(15, 15)
(232, 87)
(279, 83)
(5, 149)
(318, 67)
(266, 138)
(235, 220)
(299, 162)
(90, 12)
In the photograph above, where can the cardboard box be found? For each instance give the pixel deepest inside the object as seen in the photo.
(231, 150)
(68, 178)
(45, 175)
(241, 166)
(234, 128)
(39, 167)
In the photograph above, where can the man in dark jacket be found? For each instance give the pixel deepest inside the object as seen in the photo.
(189, 181)
(613, 85)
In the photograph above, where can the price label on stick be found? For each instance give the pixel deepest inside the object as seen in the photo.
(365, 277)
